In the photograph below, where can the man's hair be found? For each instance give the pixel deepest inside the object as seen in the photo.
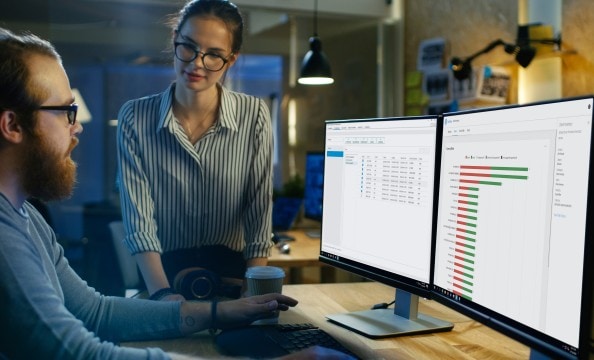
(17, 89)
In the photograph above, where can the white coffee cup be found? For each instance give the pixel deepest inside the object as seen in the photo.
(265, 280)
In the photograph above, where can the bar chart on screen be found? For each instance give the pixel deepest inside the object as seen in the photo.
(497, 198)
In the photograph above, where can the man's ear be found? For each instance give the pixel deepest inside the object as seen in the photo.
(10, 130)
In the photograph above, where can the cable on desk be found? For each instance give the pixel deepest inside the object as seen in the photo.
(382, 305)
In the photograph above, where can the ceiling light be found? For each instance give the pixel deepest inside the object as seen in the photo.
(315, 68)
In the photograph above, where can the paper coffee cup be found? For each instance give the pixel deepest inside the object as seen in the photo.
(264, 280)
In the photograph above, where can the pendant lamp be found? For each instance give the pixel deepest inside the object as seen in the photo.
(315, 68)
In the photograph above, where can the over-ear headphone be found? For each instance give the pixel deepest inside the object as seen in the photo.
(202, 284)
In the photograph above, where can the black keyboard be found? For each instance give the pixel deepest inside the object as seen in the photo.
(266, 341)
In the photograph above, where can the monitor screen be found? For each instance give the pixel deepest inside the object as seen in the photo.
(314, 185)
(511, 221)
(377, 221)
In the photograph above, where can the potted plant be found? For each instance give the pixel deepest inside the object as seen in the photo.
(287, 203)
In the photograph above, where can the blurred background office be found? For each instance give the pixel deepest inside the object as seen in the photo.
(115, 50)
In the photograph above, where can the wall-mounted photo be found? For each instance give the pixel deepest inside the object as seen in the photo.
(493, 84)
(436, 84)
(430, 56)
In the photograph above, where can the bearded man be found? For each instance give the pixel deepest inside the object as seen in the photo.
(46, 310)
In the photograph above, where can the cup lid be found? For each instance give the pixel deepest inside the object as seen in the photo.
(264, 272)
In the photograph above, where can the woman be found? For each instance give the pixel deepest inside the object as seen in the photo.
(196, 161)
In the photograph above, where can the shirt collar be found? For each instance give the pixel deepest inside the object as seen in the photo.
(166, 109)
(228, 111)
(227, 115)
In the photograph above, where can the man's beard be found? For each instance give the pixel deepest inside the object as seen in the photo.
(47, 174)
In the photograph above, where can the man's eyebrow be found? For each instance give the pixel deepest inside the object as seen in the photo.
(71, 101)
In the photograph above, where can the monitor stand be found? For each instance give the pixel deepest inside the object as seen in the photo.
(403, 320)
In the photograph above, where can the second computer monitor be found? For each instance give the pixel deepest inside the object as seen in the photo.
(512, 236)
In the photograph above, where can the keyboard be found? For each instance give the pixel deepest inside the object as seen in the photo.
(267, 341)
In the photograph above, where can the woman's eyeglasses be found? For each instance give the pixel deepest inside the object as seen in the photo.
(187, 53)
(70, 110)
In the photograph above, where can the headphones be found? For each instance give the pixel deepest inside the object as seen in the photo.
(201, 284)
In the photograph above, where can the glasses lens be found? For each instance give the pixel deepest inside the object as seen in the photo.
(185, 52)
(71, 114)
(213, 62)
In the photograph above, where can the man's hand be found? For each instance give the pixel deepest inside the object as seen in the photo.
(197, 316)
(312, 353)
(249, 309)
(318, 353)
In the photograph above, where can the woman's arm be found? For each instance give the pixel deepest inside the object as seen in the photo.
(151, 267)
(258, 214)
(257, 262)
(137, 202)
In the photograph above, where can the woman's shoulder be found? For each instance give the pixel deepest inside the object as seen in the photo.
(148, 100)
(239, 97)
(149, 105)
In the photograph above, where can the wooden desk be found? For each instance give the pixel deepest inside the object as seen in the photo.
(468, 340)
(305, 251)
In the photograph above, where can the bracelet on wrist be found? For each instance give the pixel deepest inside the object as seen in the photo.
(161, 293)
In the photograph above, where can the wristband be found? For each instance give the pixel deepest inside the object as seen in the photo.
(213, 317)
(161, 293)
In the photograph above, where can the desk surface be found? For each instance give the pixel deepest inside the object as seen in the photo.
(468, 340)
(305, 251)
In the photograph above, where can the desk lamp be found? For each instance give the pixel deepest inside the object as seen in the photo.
(523, 50)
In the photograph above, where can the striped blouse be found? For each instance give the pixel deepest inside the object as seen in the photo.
(176, 195)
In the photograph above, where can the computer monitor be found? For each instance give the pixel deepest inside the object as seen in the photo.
(378, 218)
(314, 189)
(513, 240)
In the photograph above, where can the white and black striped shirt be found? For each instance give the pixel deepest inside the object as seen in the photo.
(176, 195)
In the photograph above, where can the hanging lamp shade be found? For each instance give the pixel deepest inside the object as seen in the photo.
(315, 68)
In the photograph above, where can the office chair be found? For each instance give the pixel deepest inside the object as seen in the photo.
(128, 269)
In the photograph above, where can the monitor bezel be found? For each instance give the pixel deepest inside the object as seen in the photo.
(385, 277)
(531, 337)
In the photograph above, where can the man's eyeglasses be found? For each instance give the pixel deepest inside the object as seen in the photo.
(187, 53)
(70, 110)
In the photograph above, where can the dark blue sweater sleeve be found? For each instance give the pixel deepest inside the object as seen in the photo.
(48, 312)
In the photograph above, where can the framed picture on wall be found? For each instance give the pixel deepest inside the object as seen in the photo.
(436, 84)
(493, 84)
(465, 90)
(431, 52)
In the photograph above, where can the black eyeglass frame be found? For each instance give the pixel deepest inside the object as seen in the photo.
(71, 111)
(196, 52)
